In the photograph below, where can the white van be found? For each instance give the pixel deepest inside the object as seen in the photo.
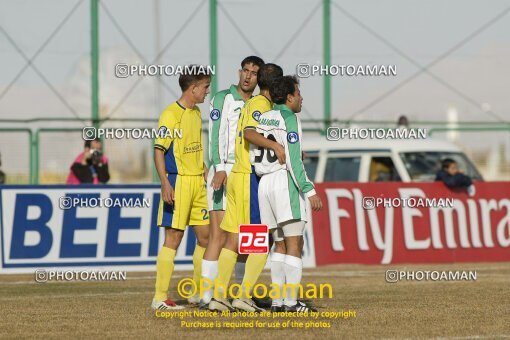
(377, 160)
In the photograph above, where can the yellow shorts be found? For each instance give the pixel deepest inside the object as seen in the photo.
(190, 205)
(242, 201)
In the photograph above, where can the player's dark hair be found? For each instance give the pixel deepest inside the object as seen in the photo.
(252, 60)
(267, 74)
(281, 87)
(88, 143)
(193, 74)
(445, 163)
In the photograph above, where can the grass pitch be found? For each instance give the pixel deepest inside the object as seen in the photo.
(406, 309)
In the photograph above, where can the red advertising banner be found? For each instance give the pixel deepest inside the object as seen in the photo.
(381, 223)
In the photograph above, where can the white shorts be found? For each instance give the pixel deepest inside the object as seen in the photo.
(288, 229)
(217, 200)
(280, 200)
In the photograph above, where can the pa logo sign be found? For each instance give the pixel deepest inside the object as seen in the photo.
(253, 239)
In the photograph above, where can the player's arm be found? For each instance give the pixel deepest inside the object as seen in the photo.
(167, 191)
(206, 172)
(217, 140)
(161, 146)
(296, 166)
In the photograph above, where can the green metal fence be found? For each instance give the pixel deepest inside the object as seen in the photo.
(102, 25)
(34, 135)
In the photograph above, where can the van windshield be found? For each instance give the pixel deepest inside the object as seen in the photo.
(423, 166)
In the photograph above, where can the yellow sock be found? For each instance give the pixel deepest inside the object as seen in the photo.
(197, 264)
(226, 263)
(254, 266)
(164, 269)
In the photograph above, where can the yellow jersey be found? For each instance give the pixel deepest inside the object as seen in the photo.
(180, 137)
(249, 118)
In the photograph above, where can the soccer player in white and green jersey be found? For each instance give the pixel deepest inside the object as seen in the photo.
(283, 189)
(226, 106)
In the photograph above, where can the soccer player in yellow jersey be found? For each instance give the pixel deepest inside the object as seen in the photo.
(242, 192)
(179, 159)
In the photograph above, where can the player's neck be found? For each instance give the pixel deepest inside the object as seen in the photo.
(266, 94)
(245, 95)
(186, 102)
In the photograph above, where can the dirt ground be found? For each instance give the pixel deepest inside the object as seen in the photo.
(378, 309)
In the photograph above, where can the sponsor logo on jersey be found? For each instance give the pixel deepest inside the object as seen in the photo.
(270, 122)
(215, 114)
(292, 137)
(193, 147)
(256, 115)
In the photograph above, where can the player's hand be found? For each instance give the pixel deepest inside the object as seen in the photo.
(315, 202)
(279, 152)
(219, 179)
(167, 192)
(206, 173)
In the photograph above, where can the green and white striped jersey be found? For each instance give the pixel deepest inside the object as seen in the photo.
(225, 108)
(283, 126)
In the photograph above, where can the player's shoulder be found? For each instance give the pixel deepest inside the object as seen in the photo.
(273, 114)
(291, 120)
(259, 99)
(229, 94)
(173, 110)
(220, 95)
(259, 102)
(289, 116)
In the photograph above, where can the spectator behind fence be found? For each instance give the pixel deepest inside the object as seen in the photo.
(403, 122)
(453, 177)
(91, 166)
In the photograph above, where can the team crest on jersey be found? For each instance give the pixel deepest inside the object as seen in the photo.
(162, 132)
(215, 114)
(256, 115)
(292, 137)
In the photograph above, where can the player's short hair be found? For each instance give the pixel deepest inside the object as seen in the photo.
(281, 87)
(445, 163)
(193, 74)
(267, 74)
(252, 60)
(88, 143)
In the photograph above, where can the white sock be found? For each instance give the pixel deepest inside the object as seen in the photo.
(278, 275)
(293, 272)
(239, 272)
(210, 272)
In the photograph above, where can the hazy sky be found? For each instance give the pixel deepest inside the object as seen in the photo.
(422, 30)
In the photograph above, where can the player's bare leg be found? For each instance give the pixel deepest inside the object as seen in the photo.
(217, 238)
(165, 268)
